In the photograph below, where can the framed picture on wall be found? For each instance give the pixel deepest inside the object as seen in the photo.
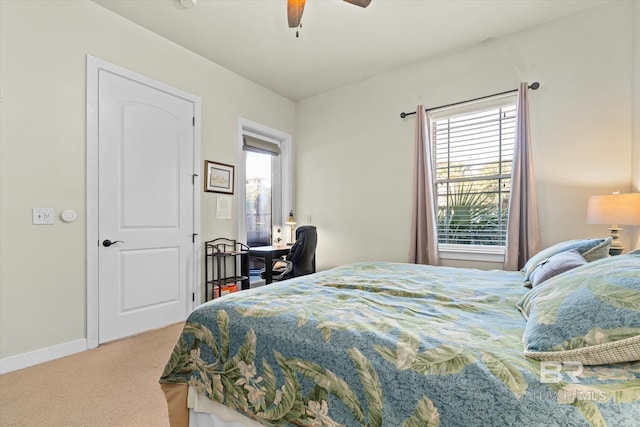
(218, 177)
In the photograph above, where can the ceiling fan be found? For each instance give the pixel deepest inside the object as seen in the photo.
(296, 7)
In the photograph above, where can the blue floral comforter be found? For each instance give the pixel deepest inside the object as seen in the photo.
(390, 344)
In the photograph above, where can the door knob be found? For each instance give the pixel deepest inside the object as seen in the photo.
(107, 243)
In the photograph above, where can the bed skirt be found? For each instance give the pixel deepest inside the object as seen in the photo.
(188, 408)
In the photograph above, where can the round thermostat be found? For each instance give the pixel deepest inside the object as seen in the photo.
(68, 216)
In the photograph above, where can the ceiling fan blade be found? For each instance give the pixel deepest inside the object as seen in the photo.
(294, 12)
(361, 3)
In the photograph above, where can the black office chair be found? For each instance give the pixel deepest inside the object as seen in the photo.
(302, 257)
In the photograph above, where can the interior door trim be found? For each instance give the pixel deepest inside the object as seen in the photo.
(94, 65)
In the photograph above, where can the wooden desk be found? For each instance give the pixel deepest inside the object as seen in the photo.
(268, 253)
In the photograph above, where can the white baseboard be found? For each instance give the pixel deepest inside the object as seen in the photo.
(36, 357)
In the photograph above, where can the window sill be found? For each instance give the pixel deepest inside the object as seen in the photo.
(472, 252)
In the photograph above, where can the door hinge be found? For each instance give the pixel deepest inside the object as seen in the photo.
(193, 297)
(193, 178)
(193, 237)
(194, 121)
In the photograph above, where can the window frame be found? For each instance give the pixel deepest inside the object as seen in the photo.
(468, 252)
(283, 178)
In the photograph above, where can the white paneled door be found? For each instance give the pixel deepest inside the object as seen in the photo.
(145, 206)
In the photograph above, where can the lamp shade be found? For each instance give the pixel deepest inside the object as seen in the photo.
(618, 209)
(291, 220)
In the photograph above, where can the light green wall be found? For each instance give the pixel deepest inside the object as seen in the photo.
(355, 154)
(42, 111)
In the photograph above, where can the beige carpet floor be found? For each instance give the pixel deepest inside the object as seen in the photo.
(115, 384)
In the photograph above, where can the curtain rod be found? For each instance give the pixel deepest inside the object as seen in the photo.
(533, 86)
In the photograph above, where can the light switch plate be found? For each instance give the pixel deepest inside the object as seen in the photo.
(42, 216)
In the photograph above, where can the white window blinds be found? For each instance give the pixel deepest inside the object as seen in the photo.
(472, 154)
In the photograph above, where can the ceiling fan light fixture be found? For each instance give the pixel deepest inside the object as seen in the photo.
(296, 7)
(188, 4)
(294, 12)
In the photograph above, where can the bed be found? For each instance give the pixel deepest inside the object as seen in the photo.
(392, 344)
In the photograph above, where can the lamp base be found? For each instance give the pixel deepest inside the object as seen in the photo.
(616, 247)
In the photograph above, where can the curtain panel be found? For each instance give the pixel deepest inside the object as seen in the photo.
(424, 237)
(523, 226)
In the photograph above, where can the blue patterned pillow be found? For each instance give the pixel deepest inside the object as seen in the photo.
(590, 314)
(590, 249)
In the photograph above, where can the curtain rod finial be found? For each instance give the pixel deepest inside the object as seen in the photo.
(534, 85)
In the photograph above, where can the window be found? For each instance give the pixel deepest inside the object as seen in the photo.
(472, 155)
(264, 184)
(262, 189)
(259, 199)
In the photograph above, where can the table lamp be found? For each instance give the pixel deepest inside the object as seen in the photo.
(615, 209)
(291, 221)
